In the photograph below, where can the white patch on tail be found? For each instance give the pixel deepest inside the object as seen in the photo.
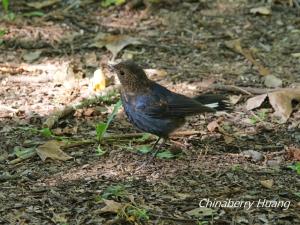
(213, 105)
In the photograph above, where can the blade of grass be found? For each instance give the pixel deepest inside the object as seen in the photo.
(101, 128)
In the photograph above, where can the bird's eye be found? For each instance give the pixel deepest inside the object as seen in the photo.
(122, 72)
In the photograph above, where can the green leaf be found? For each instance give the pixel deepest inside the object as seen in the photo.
(34, 14)
(107, 3)
(165, 155)
(102, 127)
(144, 138)
(144, 149)
(295, 167)
(46, 132)
(114, 191)
(100, 130)
(2, 32)
(99, 151)
(24, 153)
(297, 194)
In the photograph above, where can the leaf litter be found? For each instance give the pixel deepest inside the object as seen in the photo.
(211, 167)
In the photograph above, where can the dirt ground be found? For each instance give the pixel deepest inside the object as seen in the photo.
(110, 183)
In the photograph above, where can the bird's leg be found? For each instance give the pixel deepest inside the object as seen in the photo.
(158, 148)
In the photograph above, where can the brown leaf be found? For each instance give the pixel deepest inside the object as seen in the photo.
(281, 102)
(112, 206)
(114, 43)
(267, 183)
(212, 126)
(294, 154)
(256, 101)
(235, 45)
(88, 112)
(228, 139)
(51, 149)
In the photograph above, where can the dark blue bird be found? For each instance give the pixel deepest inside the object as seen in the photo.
(153, 108)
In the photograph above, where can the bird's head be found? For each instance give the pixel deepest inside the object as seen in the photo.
(131, 75)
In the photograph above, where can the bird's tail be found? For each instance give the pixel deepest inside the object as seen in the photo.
(215, 101)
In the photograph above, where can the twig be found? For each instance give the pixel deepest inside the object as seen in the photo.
(243, 90)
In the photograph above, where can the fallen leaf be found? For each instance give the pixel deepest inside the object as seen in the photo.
(267, 183)
(201, 212)
(294, 153)
(155, 72)
(51, 149)
(98, 82)
(91, 59)
(32, 56)
(280, 100)
(235, 45)
(43, 4)
(88, 112)
(255, 102)
(263, 10)
(111, 206)
(271, 81)
(228, 139)
(212, 126)
(234, 99)
(114, 43)
(254, 155)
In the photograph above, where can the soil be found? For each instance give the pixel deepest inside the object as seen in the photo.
(235, 156)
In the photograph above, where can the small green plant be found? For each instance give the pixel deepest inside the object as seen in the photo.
(107, 3)
(102, 127)
(99, 151)
(113, 192)
(138, 214)
(295, 167)
(144, 149)
(260, 116)
(165, 155)
(236, 168)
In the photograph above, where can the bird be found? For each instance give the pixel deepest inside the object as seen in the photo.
(153, 108)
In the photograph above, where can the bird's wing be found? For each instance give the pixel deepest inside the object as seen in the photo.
(162, 103)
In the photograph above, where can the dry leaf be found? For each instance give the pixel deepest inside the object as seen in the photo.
(88, 112)
(280, 100)
(91, 59)
(32, 56)
(263, 10)
(267, 183)
(201, 212)
(114, 43)
(294, 153)
(234, 99)
(155, 72)
(212, 126)
(43, 4)
(228, 139)
(112, 206)
(272, 82)
(51, 149)
(235, 45)
(256, 101)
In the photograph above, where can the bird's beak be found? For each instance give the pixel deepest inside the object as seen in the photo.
(112, 66)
